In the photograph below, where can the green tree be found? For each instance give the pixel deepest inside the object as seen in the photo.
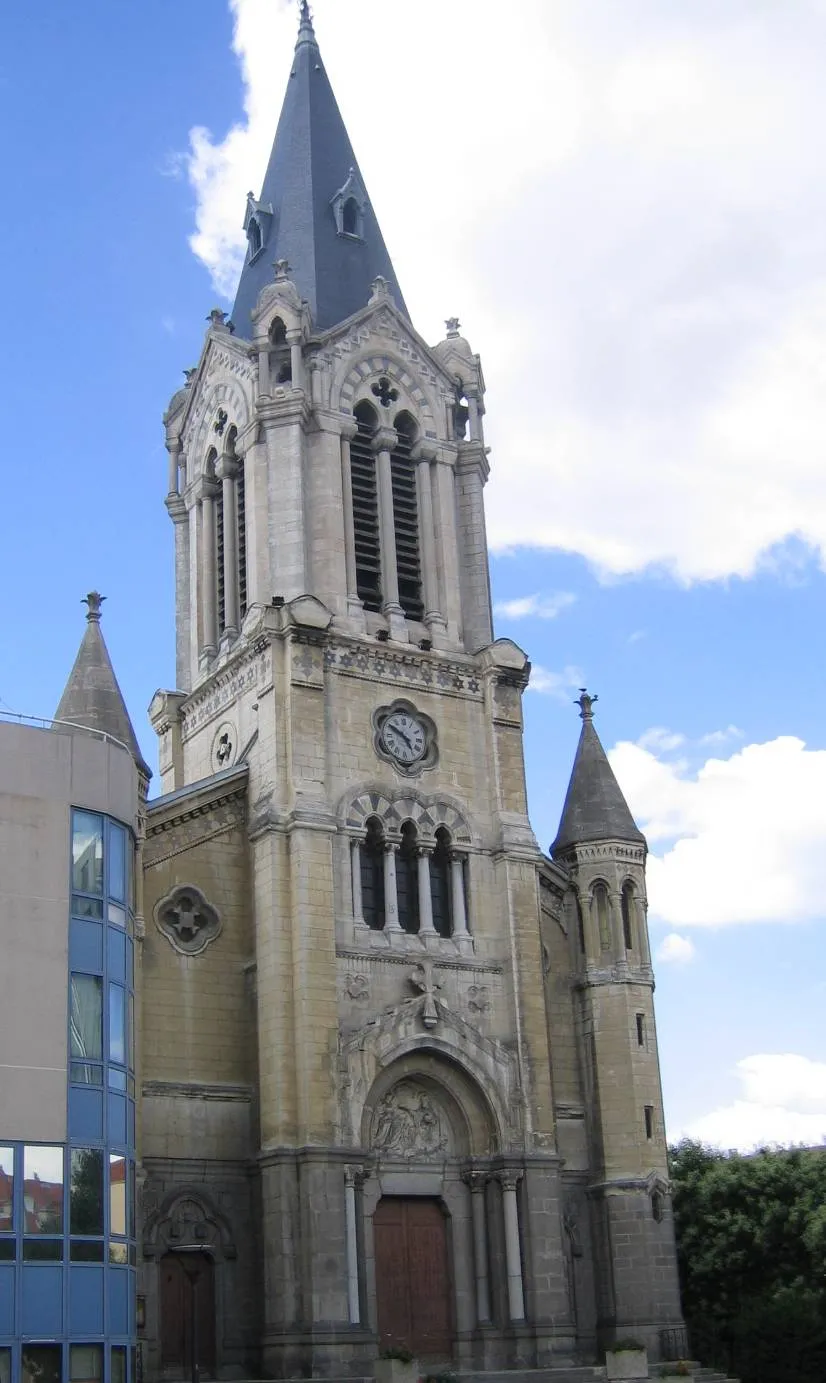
(751, 1239)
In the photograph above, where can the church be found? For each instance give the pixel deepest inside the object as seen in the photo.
(394, 1079)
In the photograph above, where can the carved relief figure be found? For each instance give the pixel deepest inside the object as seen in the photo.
(407, 1123)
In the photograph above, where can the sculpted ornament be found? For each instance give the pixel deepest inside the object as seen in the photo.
(187, 920)
(407, 1123)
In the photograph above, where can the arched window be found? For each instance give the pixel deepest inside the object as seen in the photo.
(407, 880)
(627, 906)
(351, 217)
(372, 875)
(281, 369)
(254, 237)
(220, 595)
(240, 521)
(440, 897)
(580, 926)
(406, 518)
(365, 509)
(603, 916)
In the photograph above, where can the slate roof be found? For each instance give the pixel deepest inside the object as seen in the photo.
(311, 161)
(595, 808)
(92, 696)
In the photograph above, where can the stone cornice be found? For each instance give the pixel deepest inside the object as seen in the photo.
(227, 790)
(197, 1090)
(431, 671)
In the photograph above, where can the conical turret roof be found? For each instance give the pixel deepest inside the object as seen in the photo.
(334, 255)
(92, 697)
(595, 808)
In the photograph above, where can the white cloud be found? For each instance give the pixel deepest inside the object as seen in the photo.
(535, 606)
(557, 684)
(646, 282)
(741, 839)
(718, 737)
(783, 1101)
(660, 740)
(675, 949)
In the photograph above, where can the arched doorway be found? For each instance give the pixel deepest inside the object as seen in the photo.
(187, 1314)
(413, 1280)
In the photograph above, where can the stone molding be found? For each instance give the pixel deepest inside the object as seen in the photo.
(197, 1090)
(187, 919)
(427, 811)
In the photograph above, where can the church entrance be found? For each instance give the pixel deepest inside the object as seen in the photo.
(187, 1314)
(413, 1280)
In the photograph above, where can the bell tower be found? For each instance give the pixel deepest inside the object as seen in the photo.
(351, 1036)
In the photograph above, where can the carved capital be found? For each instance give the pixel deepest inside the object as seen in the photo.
(424, 450)
(384, 439)
(355, 1174)
(475, 1180)
(509, 1178)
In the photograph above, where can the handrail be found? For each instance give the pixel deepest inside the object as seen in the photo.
(49, 722)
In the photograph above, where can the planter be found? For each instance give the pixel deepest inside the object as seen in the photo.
(626, 1363)
(396, 1371)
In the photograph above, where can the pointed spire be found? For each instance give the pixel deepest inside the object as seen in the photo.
(92, 697)
(595, 808)
(306, 32)
(313, 209)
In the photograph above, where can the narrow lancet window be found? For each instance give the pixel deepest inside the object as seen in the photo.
(627, 906)
(407, 881)
(372, 875)
(406, 519)
(366, 509)
(603, 916)
(241, 514)
(440, 884)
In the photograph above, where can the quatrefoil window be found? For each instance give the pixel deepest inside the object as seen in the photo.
(187, 920)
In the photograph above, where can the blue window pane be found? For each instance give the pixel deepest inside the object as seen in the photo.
(86, 1300)
(117, 1078)
(86, 907)
(116, 1132)
(117, 1372)
(42, 1189)
(86, 946)
(7, 1300)
(116, 914)
(6, 1188)
(87, 852)
(42, 1300)
(118, 1301)
(117, 1024)
(117, 862)
(116, 948)
(85, 1114)
(7, 1246)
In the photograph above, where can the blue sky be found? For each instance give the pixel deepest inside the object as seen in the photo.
(624, 205)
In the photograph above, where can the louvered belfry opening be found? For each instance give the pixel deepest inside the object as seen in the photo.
(241, 507)
(366, 509)
(406, 518)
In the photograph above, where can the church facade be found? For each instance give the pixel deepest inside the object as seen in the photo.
(398, 1082)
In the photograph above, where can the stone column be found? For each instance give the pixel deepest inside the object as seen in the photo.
(423, 454)
(227, 472)
(509, 1181)
(353, 1178)
(174, 449)
(391, 902)
(383, 442)
(474, 414)
(296, 359)
(641, 908)
(457, 891)
(210, 644)
(355, 874)
(426, 927)
(477, 1181)
(443, 490)
(264, 368)
(348, 432)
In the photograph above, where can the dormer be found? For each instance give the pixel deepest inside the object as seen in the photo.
(257, 222)
(349, 205)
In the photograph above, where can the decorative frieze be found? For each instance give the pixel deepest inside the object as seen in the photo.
(442, 675)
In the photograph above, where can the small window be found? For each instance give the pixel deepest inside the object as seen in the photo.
(254, 237)
(117, 1194)
(7, 1247)
(351, 217)
(117, 1371)
(657, 1206)
(580, 927)
(87, 852)
(640, 1029)
(41, 1364)
(649, 1121)
(6, 1189)
(86, 1191)
(85, 1363)
(42, 1190)
(627, 906)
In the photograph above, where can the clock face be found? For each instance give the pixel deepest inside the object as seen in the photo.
(403, 736)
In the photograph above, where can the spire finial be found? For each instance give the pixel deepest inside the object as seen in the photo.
(306, 33)
(585, 704)
(94, 600)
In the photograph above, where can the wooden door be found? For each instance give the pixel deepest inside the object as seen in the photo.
(413, 1287)
(187, 1286)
